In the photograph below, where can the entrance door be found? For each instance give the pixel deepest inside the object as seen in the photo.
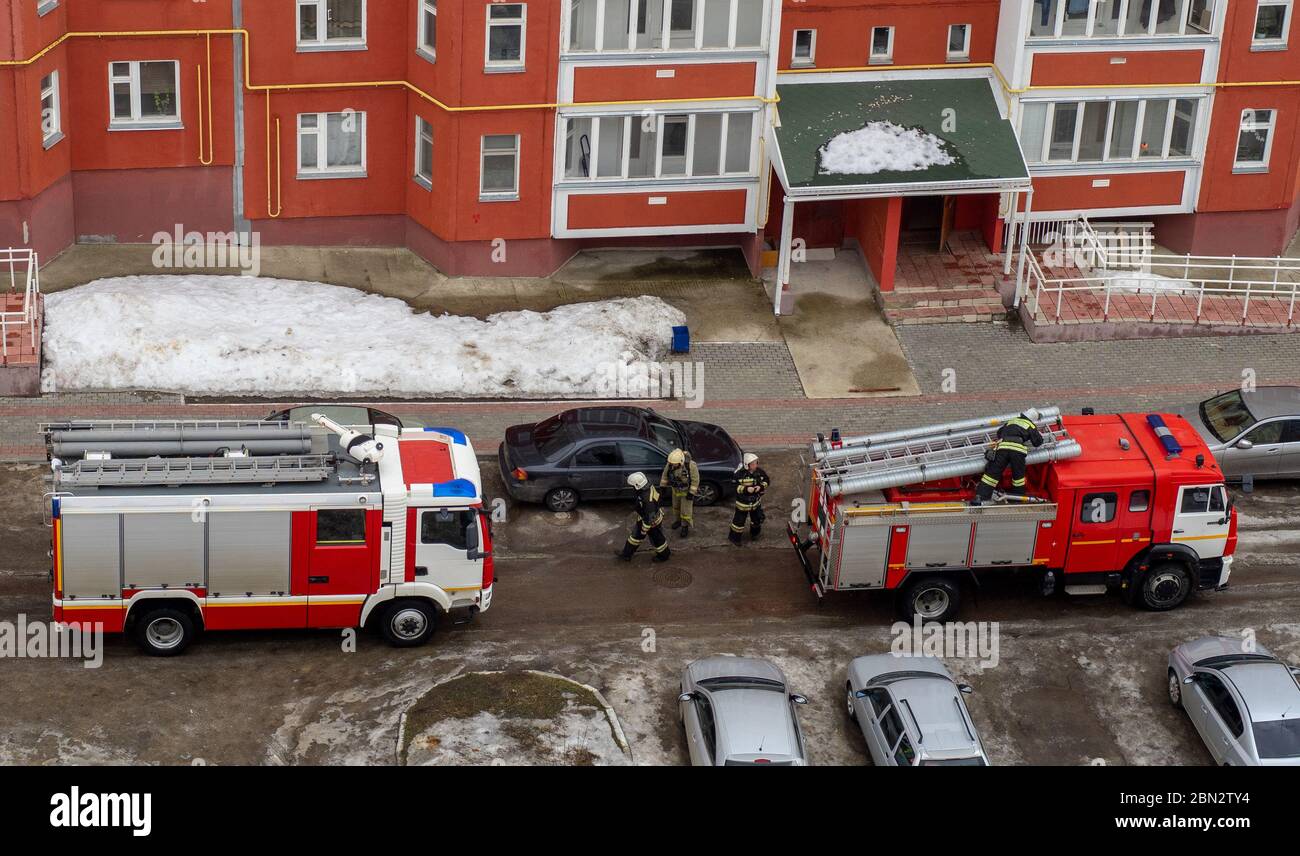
(342, 566)
(1093, 535)
(1202, 520)
(442, 546)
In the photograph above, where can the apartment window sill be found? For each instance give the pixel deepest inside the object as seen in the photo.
(1249, 169)
(803, 63)
(1079, 41)
(324, 176)
(1114, 166)
(146, 126)
(426, 54)
(341, 47)
(498, 197)
(52, 140)
(426, 183)
(44, 9)
(957, 59)
(503, 69)
(1265, 47)
(888, 60)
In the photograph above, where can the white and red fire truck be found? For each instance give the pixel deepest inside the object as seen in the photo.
(165, 529)
(1126, 502)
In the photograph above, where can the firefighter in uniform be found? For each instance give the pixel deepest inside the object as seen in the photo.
(1014, 439)
(649, 521)
(683, 477)
(751, 483)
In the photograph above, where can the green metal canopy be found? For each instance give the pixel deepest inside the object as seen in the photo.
(961, 113)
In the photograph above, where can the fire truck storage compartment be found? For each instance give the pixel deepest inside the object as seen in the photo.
(1006, 539)
(92, 555)
(248, 553)
(939, 544)
(162, 550)
(862, 553)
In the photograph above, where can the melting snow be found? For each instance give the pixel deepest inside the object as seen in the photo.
(880, 146)
(248, 336)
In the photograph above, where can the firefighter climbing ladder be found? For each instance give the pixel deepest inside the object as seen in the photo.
(915, 455)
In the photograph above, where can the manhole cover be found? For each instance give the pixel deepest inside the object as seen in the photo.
(562, 518)
(673, 578)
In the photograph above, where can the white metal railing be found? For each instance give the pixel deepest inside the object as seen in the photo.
(23, 267)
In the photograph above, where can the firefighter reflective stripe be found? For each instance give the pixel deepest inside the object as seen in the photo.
(989, 480)
(1017, 482)
(1012, 446)
(664, 546)
(748, 506)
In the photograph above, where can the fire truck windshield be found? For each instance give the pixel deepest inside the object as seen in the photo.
(1226, 415)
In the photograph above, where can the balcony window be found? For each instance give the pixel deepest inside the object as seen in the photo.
(144, 94)
(1272, 23)
(505, 38)
(1097, 131)
(1255, 140)
(331, 24)
(671, 146)
(663, 25)
(1108, 19)
(332, 145)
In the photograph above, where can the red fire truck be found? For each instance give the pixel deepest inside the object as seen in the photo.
(1125, 502)
(164, 529)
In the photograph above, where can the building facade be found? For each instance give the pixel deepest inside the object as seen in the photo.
(501, 138)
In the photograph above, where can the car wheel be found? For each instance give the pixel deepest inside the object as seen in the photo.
(562, 499)
(1175, 690)
(408, 623)
(164, 632)
(848, 702)
(1165, 587)
(708, 494)
(930, 599)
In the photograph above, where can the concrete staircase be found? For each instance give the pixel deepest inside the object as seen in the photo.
(952, 303)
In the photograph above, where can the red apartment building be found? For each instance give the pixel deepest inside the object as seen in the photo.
(500, 138)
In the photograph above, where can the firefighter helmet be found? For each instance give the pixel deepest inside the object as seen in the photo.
(677, 457)
(1032, 415)
(637, 481)
(750, 458)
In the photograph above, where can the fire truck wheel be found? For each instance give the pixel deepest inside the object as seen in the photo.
(1165, 587)
(164, 632)
(930, 599)
(1175, 690)
(561, 499)
(408, 623)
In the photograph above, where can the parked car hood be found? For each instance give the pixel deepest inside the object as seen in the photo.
(710, 445)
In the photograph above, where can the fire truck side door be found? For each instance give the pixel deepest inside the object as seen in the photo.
(1202, 520)
(342, 567)
(1093, 532)
(442, 549)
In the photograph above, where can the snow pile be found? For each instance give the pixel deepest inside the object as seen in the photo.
(880, 146)
(1147, 283)
(247, 336)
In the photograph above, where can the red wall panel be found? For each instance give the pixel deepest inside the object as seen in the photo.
(920, 29)
(694, 80)
(1117, 67)
(688, 208)
(1127, 189)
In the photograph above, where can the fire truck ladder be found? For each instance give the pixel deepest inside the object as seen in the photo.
(129, 472)
(911, 456)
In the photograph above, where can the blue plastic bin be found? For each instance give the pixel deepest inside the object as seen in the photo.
(681, 340)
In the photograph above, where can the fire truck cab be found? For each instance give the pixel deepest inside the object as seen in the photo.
(163, 530)
(1126, 502)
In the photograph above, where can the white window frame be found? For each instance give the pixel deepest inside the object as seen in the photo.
(483, 151)
(423, 133)
(1244, 126)
(136, 120)
(489, 23)
(322, 169)
(51, 130)
(811, 59)
(323, 42)
(1134, 155)
(666, 33)
(887, 58)
(962, 55)
(1271, 44)
(629, 127)
(45, 7)
(425, 46)
(1094, 6)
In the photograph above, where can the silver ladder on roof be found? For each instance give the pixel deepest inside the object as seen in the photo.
(929, 453)
(130, 472)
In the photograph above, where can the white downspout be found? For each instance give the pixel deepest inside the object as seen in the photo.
(783, 259)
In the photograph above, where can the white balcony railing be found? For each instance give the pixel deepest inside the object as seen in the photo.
(23, 269)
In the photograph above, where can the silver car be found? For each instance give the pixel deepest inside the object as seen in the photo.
(737, 712)
(1245, 704)
(1255, 434)
(911, 712)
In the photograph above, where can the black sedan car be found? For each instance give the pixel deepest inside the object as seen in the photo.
(588, 453)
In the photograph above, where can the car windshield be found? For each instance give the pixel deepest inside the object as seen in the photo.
(1278, 739)
(552, 436)
(954, 762)
(1226, 415)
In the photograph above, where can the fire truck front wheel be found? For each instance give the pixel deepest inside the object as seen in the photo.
(408, 623)
(930, 599)
(164, 632)
(1165, 587)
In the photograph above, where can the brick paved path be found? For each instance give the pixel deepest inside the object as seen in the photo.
(749, 391)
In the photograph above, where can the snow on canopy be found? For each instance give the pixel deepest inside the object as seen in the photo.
(880, 147)
(249, 336)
